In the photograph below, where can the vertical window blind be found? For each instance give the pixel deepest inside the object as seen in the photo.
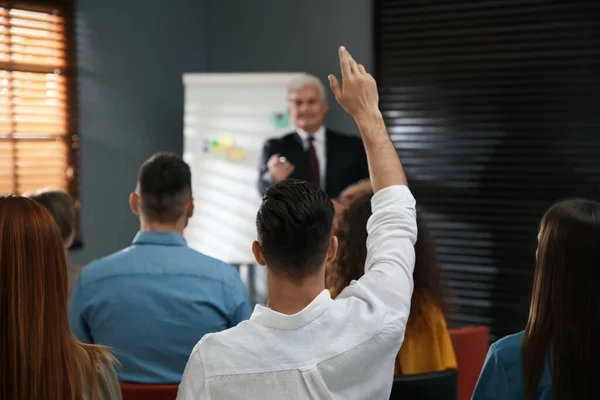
(37, 129)
(492, 106)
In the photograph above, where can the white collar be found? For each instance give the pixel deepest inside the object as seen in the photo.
(319, 135)
(273, 319)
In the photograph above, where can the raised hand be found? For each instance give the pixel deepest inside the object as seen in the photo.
(357, 93)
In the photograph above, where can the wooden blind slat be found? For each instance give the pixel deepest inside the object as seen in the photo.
(33, 101)
(32, 33)
(32, 15)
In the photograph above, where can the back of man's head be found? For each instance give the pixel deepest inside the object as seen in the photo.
(294, 226)
(164, 188)
(60, 205)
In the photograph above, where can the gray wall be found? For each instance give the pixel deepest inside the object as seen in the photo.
(132, 55)
(290, 36)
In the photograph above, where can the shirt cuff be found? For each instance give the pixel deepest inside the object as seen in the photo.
(396, 193)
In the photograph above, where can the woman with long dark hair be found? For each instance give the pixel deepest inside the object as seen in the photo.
(556, 357)
(39, 357)
(427, 346)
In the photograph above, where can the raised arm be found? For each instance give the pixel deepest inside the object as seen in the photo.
(358, 95)
(392, 228)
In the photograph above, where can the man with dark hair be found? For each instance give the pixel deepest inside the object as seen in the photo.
(293, 248)
(152, 301)
(305, 345)
(164, 191)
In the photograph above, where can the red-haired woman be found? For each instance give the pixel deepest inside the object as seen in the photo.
(39, 357)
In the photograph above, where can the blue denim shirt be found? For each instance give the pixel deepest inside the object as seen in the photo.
(152, 302)
(502, 376)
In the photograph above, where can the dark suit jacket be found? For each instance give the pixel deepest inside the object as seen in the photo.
(345, 157)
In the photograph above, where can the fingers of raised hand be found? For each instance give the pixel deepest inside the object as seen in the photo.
(353, 64)
(345, 62)
(335, 86)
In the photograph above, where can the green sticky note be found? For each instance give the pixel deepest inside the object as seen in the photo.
(280, 119)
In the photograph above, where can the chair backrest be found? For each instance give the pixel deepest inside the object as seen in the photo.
(435, 386)
(138, 391)
(470, 347)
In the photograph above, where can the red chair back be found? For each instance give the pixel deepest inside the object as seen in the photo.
(137, 391)
(470, 347)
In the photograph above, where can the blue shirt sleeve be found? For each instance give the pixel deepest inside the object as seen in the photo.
(241, 303)
(492, 383)
(77, 321)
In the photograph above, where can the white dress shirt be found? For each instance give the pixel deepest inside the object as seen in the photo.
(332, 349)
(319, 144)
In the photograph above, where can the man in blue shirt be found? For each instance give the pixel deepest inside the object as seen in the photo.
(153, 301)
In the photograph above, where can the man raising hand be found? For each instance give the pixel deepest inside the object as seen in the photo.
(305, 345)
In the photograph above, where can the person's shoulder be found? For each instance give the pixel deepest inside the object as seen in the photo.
(509, 343)
(281, 139)
(289, 135)
(209, 267)
(233, 336)
(222, 349)
(105, 267)
(433, 314)
(508, 349)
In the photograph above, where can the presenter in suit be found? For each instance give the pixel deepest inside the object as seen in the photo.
(312, 152)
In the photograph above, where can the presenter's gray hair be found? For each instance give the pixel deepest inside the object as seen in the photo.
(307, 80)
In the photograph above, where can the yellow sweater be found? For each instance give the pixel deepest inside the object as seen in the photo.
(427, 346)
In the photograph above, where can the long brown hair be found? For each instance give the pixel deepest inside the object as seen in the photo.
(39, 357)
(564, 319)
(351, 230)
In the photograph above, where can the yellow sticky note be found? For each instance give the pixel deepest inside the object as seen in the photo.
(236, 154)
(226, 141)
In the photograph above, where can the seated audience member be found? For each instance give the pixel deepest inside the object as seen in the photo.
(39, 357)
(61, 207)
(154, 300)
(355, 191)
(305, 345)
(347, 196)
(557, 355)
(427, 346)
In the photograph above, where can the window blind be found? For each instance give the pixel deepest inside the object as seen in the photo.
(36, 136)
(492, 106)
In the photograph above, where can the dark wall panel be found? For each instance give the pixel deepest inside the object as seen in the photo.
(493, 106)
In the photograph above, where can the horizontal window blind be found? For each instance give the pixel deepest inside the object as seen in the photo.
(35, 136)
(492, 106)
